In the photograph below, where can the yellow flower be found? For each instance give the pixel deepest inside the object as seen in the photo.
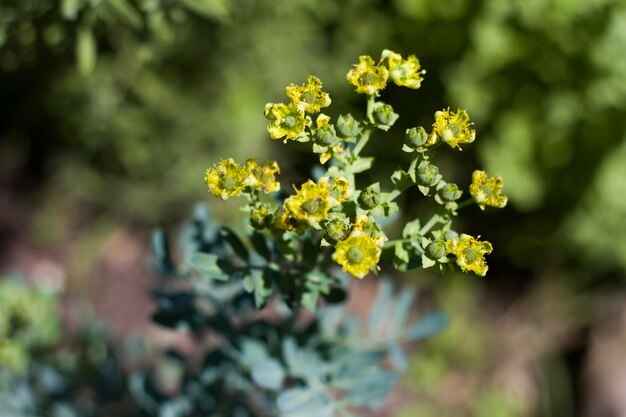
(486, 190)
(470, 254)
(287, 121)
(405, 73)
(308, 98)
(311, 202)
(226, 179)
(340, 189)
(367, 77)
(358, 254)
(287, 222)
(263, 177)
(453, 128)
(365, 224)
(261, 216)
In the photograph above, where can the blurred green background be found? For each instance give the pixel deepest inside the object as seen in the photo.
(112, 109)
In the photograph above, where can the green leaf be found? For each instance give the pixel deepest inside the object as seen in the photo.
(70, 8)
(309, 299)
(262, 287)
(319, 149)
(401, 309)
(360, 165)
(127, 12)
(427, 326)
(407, 148)
(212, 9)
(411, 229)
(252, 352)
(206, 264)
(259, 243)
(381, 305)
(268, 374)
(427, 262)
(397, 357)
(401, 180)
(301, 402)
(412, 168)
(161, 253)
(235, 243)
(401, 255)
(85, 50)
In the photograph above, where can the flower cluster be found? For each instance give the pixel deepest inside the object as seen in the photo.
(229, 179)
(331, 211)
(290, 120)
(370, 78)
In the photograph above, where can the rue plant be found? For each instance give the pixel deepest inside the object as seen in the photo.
(244, 299)
(329, 218)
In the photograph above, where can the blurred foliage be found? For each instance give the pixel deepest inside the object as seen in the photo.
(266, 356)
(42, 373)
(169, 86)
(27, 322)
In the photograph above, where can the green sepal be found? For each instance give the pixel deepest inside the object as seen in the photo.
(424, 190)
(407, 148)
(427, 262)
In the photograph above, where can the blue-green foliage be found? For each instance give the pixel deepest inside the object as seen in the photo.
(281, 360)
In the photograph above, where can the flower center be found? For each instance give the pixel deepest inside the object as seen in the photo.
(311, 206)
(308, 97)
(290, 121)
(454, 129)
(367, 79)
(470, 255)
(355, 255)
(229, 184)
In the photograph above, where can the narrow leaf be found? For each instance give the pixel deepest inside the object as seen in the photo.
(427, 326)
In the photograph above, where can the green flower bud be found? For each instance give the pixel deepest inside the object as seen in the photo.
(261, 217)
(416, 137)
(326, 136)
(348, 126)
(337, 227)
(450, 192)
(436, 249)
(384, 115)
(369, 198)
(427, 174)
(450, 235)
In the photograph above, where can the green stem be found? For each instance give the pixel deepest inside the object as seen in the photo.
(465, 203)
(371, 99)
(365, 137)
(429, 225)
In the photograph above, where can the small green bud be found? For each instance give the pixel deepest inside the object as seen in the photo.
(436, 249)
(450, 192)
(416, 137)
(261, 217)
(384, 115)
(348, 126)
(428, 174)
(450, 235)
(369, 198)
(337, 227)
(326, 136)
